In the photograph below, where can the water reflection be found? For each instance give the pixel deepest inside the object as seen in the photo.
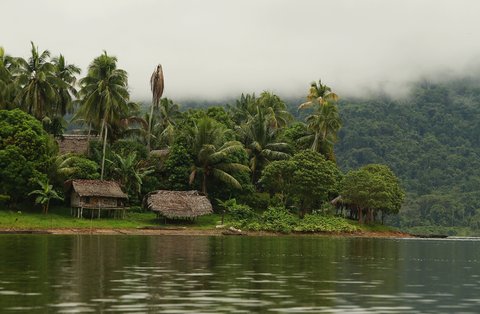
(182, 274)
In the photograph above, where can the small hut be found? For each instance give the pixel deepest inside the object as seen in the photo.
(96, 195)
(178, 204)
(74, 143)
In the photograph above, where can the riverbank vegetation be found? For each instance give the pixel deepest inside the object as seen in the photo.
(253, 150)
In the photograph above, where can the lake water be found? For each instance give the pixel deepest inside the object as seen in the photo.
(185, 274)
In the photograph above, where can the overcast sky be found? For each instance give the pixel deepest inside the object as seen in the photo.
(212, 49)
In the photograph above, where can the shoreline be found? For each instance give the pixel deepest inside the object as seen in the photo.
(195, 232)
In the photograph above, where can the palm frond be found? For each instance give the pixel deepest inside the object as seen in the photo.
(226, 178)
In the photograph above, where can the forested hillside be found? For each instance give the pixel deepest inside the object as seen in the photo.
(431, 139)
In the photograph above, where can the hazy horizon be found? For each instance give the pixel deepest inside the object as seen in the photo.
(213, 49)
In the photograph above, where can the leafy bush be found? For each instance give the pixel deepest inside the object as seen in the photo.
(278, 219)
(256, 200)
(319, 223)
(126, 147)
(84, 168)
(238, 211)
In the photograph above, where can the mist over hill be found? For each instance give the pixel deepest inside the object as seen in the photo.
(430, 138)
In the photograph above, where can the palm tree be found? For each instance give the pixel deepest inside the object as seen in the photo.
(8, 86)
(130, 172)
(212, 154)
(275, 109)
(324, 123)
(156, 85)
(66, 73)
(105, 96)
(39, 84)
(244, 108)
(44, 195)
(168, 115)
(318, 94)
(258, 135)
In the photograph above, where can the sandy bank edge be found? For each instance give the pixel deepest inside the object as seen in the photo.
(195, 232)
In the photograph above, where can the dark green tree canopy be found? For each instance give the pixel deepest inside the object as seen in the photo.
(24, 152)
(373, 187)
(307, 176)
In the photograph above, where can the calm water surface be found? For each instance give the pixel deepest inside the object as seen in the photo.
(183, 274)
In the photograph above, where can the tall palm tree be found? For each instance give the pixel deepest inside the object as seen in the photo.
(275, 109)
(39, 84)
(259, 137)
(324, 126)
(156, 85)
(212, 154)
(244, 108)
(66, 73)
(318, 94)
(105, 96)
(324, 123)
(271, 106)
(8, 87)
(167, 119)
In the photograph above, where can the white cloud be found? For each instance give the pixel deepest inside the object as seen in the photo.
(214, 48)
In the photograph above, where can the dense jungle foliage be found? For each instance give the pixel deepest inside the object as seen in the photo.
(431, 141)
(259, 150)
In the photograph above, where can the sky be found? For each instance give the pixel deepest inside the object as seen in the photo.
(215, 49)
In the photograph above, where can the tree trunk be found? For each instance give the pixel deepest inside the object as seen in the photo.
(46, 207)
(360, 215)
(204, 184)
(149, 134)
(88, 138)
(104, 150)
(315, 142)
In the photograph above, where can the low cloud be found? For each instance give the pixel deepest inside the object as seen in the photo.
(213, 49)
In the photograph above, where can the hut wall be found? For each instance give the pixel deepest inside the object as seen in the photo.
(75, 200)
(95, 201)
(102, 202)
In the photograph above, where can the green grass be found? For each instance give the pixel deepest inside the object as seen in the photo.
(59, 217)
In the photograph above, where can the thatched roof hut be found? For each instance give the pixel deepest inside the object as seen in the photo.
(73, 143)
(95, 194)
(178, 204)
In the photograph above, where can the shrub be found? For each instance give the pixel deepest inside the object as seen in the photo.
(238, 211)
(319, 223)
(278, 219)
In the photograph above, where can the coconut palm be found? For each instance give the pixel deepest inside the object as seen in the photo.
(8, 86)
(212, 153)
(318, 94)
(324, 123)
(274, 109)
(44, 195)
(39, 84)
(259, 137)
(244, 108)
(271, 106)
(324, 126)
(156, 85)
(164, 128)
(66, 73)
(105, 96)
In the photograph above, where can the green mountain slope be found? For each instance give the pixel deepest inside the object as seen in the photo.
(431, 139)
